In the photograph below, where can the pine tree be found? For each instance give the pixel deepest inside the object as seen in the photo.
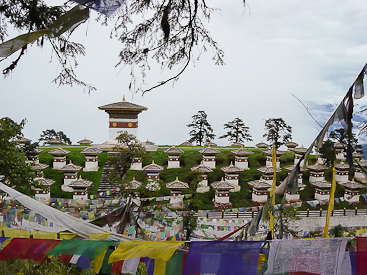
(277, 131)
(202, 131)
(237, 131)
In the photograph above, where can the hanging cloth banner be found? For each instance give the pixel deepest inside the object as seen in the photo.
(331, 204)
(222, 258)
(70, 223)
(160, 251)
(32, 249)
(106, 7)
(86, 248)
(311, 256)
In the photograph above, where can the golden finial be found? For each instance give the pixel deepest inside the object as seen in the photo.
(153, 162)
(231, 164)
(123, 98)
(176, 178)
(133, 178)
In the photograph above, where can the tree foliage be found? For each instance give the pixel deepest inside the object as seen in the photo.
(327, 152)
(129, 148)
(201, 129)
(237, 131)
(340, 135)
(12, 165)
(27, 16)
(169, 32)
(51, 134)
(277, 131)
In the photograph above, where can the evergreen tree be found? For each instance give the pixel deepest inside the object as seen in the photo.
(237, 131)
(51, 134)
(277, 131)
(13, 170)
(340, 135)
(202, 131)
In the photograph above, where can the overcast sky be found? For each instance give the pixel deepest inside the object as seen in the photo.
(273, 49)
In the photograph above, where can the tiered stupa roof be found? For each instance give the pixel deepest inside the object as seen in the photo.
(39, 166)
(290, 168)
(134, 184)
(70, 168)
(80, 183)
(186, 143)
(300, 150)
(59, 152)
(54, 141)
(23, 140)
(321, 184)
(259, 184)
(268, 170)
(91, 151)
(173, 151)
(153, 167)
(241, 152)
(177, 184)
(201, 168)
(45, 182)
(352, 185)
(236, 144)
(85, 141)
(291, 144)
(231, 169)
(342, 166)
(262, 145)
(209, 151)
(210, 143)
(270, 152)
(355, 154)
(317, 167)
(222, 185)
(123, 106)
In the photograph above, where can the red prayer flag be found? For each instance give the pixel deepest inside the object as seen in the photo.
(33, 249)
(117, 267)
(361, 255)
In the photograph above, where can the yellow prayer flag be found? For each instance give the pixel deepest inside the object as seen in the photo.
(331, 204)
(44, 235)
(98, 236)
(272, 196)
(16, 233)
(66, 236)
(6, 242)
(98, 262)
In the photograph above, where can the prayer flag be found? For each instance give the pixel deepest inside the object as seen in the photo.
(331, 204)
(33, 249)
(222, 258)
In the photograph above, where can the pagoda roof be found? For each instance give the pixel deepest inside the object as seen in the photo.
(222, 185)
(317, 167)
(270, 152)
(300, 150)
(210, 143)
(186, 143)
(39, 166)
(23, 140)
(59, 152)
(355, 154)
(352, 185)
(123, 106)
(339, 145)
(209, 151)
(70, 168)
(36, 151)
(290, 168)
(153, 167)
(80, 183)
(202, 168)
(177, 184)
(262, 145)
(231, 169)
(85, 141)
(362, 163)
(91, 151)
(291, 144)
(174, 151)
(321, 184)
(134, 184)
(236, 144)
(342, 166)
(259, 184)
(241, 152)
(54, 141)
(268, 170)
(45, 181)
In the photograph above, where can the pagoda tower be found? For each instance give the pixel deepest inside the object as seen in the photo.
(123, 116)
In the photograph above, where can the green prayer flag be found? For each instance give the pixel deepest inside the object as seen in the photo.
(174, 265)
(106, 268)
(11, 46)
(86, 248)
(69, 21)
